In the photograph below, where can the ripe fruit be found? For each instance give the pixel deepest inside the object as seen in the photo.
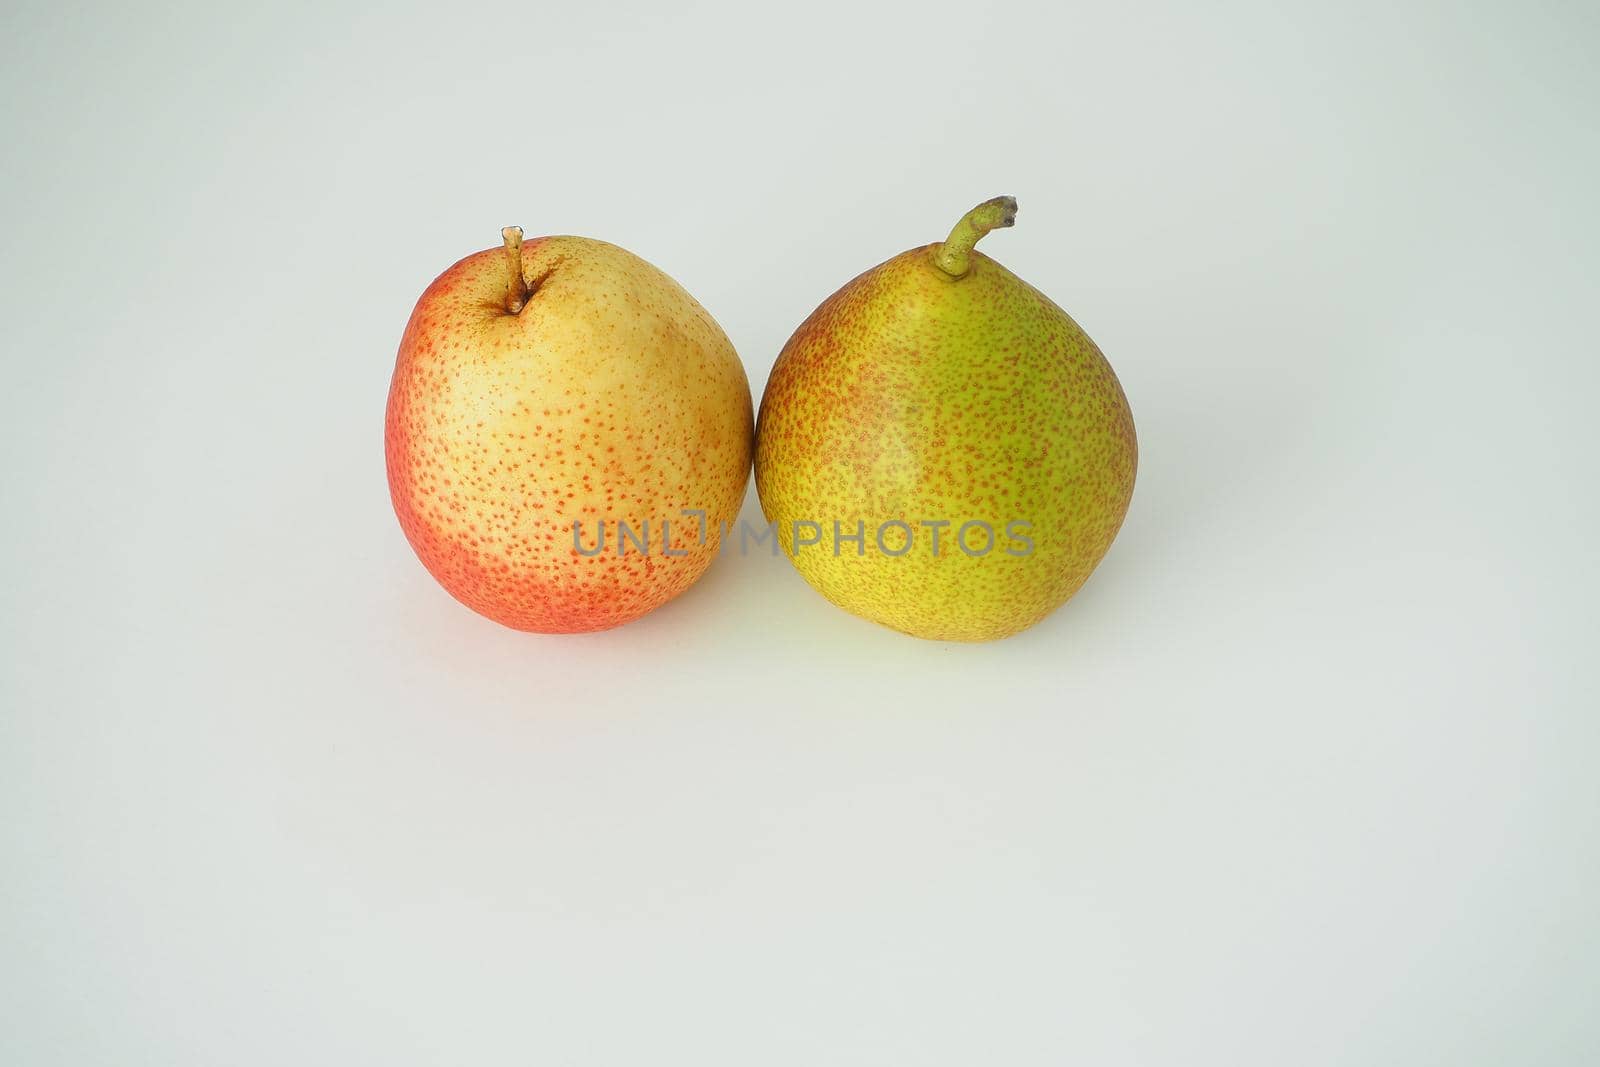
(565, 381)
(935, 397)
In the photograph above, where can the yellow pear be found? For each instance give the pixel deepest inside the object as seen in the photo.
(568, 433)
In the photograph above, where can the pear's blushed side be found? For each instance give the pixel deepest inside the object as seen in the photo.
(914, 396)
(612, 396)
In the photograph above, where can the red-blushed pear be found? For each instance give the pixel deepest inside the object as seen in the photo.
(941, 448)
(545, 395)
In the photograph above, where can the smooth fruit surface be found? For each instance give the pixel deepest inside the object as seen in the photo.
(610, 396)
(919, 397)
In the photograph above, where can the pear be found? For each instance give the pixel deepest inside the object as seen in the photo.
(568, 433)
(941, 448)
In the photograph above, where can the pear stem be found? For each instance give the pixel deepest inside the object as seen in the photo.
(954, 257)
(516, 286)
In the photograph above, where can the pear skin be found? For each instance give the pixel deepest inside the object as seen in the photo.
(964, 426)
(559, 383)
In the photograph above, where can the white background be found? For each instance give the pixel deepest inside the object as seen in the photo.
(1305, 775)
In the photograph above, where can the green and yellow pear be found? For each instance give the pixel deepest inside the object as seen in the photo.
(941, 449)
